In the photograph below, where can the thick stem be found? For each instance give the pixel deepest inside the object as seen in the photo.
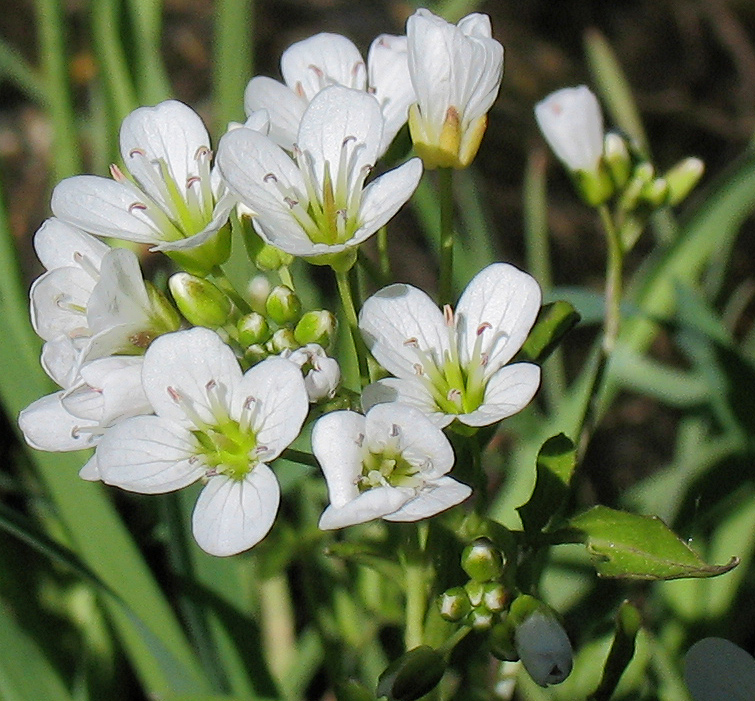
(347, 302)
(445, 284)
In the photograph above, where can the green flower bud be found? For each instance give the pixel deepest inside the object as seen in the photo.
(263, 255)
(655, 193)
(501, 640)
(255, 353)
(494, 597)
(253, 329)
(475, 591)
(595, 187)
(682, 178)
(412, 675)
(616, 156)
(482, 561)
(283, 339)
(454, 604)
(282, 305)
(163, 316)
(257, 292)
(480, 618)
(642, 176)
(201, 302)
(316, 327)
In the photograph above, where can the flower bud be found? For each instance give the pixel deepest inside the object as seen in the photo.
(412, 675)
(272, 258)
(501, 640)
(475, 591)
(282, 305)
(322, 374)
(480, 619)
(655, 193)
(253, 329)
(494, 597)
(316, 327)
(257, 291)
(616, 156)
(641, 177)
(283, 339)
(482, 561)
(163, 315)
(201, 302)
(541, 641)
(682, 178)
(454, 604)
(262, 254)
(255, 353)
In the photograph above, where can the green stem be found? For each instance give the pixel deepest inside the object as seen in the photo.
(152, 78)
(445, 284)
(481, 481)
(222, 281)
(347, 302)
(415, 583)
(383, 256)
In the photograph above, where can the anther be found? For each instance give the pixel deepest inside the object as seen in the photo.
(173, 394)
(347, 139)
(137, 205)
(192, 180)
(411, 342)
(418, 369)
(360, 440)
(117, 173)
(484, 326)
(270, 178)
(291, 202)
(202, 151)
(395, 431)
(136, 152)
(448, 315)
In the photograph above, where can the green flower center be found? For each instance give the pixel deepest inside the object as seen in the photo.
(386, 466)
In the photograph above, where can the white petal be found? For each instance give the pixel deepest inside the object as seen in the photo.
(90, 472)
(60, 359)
(507, 299)
(572, 124)
(409, 391)
(59, 245)
(102, 207)
(170, 132)
(434, 497)
(281, 403)
(220, 214)
(508, 391)
(715, 669)
(388, 75)
(187, 361)
(59, 299)
(231, 515)
(335, 444)
(339, 117)
(321, 60)
(394, 319)
(476, 24)
(383, 197)
(374, 503)
(283, 106)
(420, 440)
(47, 425)
(148, 455)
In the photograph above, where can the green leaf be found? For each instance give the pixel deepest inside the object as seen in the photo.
(412, 675)
(631, 546)
(555, 466)
(553, 322)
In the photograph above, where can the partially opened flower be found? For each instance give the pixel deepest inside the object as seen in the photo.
(572, 124)
(391, 464)
(316, 204)
(321, 373)
(310, 65)
(174, 201)
(453, 364)
(211, 423)
(456, 71)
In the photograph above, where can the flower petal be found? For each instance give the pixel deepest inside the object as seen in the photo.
(60, 245)
(284, 107)
(324, 59)
(148, 455)
(434, 497)
(59, 299)
(409, 391)
(505, 298)
(47, 425)
(374, 503)
(186, 361)
(336, 445)
(90, 472)
(233, 515)
(397, 318)
(102, 207)
(280, 403)
(508, 391)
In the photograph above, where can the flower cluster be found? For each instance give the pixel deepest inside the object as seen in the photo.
(205, 381)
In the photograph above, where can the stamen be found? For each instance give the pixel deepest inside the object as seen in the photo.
(136, 205)
(395, 431)
(418, 369)
(448, 315)
(202, 152)
(117, 173)
(136, 152)
(484, 326)
(411, 342)
(360, 440)
(270, 177)
(192, 180)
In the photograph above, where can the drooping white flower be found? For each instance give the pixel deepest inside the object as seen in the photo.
(325, 59)
(544, 648)
(715, 669)
(174, 201)
(456, 71)
(105, 391)
(391, 463)
(572, 123)
(322, 375)
(211, 423)
(94, 296)
(315, 204)
(453, 364)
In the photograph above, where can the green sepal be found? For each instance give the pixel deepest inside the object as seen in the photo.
(202, 259)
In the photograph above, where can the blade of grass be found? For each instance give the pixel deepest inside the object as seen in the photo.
(152, 81)
(14, 68)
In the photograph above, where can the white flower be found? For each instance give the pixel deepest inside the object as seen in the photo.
(391, 463)
(94, 296)
(544, 648)
(315, 204)
(456, 71)
(322, 60)
(175, 201)
(105, 391)
(572, 124)
(321, 373)
(715, 669)
(452, 365)
(212, 423)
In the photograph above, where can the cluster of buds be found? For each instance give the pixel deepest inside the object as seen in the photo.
(607, 165)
